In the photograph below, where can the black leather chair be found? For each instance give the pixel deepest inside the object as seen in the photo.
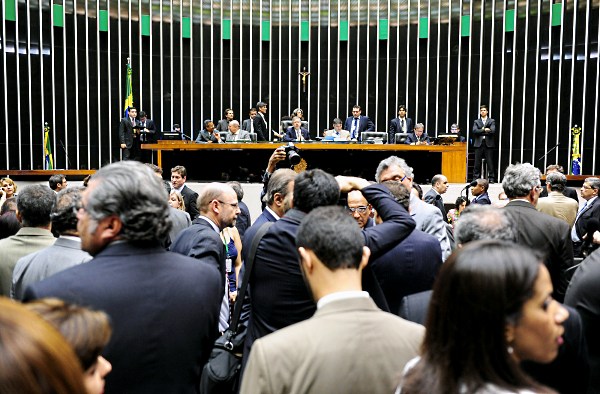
(400, 138)
(223, 135)
(252, 137)
(365, 135)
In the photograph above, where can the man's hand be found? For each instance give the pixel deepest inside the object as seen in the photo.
(349, 183)
(277, 156)
(123, 146)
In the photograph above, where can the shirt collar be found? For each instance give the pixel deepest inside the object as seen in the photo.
(272, 212)
(212, 224)
(341, 295)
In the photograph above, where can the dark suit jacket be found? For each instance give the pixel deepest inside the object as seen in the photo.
(290, 134)
(243, 220)
(204, 136)
(478, 132)
(410, 267)
(277, 289)
(547, 234)
(482, 199)
(435, 199)
(264, 217)
(126, 135)
(591, 211)
(395, 127)
(202, 242)
(164, 310)
(260, 128)
(151, 136)
(190, 198)
(583, 294)
(364, 124)
(412, 138)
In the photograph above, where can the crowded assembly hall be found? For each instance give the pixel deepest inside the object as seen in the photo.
(300, 197)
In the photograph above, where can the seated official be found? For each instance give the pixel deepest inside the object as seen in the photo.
(235, 134)
(296, 132)
(455, 129)
(418, 136)
(337, 132)
(209, 134)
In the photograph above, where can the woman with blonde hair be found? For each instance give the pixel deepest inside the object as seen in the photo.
(176, 200)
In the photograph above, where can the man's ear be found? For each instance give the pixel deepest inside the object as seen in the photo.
(19, 217)
(365, 258)
(278, 199)
(306, 260)
(109, 228)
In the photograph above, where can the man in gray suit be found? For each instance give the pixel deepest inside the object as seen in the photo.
(235, 134)
(64, 253)
(349, 345)
(428, 218)
(34, 204)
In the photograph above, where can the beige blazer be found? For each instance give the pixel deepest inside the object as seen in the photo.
(27, 240)
(559, 206)
(345, 134)
(348, 346)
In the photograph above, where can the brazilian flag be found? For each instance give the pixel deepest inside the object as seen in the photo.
(128, 90)
(48, 161)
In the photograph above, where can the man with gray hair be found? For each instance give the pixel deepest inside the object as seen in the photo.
(235, 134)
(164, 307)
(418, 136)
(64, 253)
(428, 218)
(549, 235)
(557, 204)
(34, 205)
(219, 208)
(483, 222)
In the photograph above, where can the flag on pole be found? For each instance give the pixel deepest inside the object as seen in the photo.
(128, 90)
(48, 161)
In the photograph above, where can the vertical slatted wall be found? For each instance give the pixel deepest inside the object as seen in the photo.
(535, 63)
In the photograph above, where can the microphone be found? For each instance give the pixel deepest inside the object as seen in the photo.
(472, 184)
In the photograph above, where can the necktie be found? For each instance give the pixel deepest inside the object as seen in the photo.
(402, 125)
(298, 135)
(354, 128)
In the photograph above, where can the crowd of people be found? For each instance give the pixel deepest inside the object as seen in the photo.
(123, 285)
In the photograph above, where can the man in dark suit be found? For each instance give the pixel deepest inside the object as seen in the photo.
(164, 307)
(223, 124)
(219, 208)
(278, 199)
(148, 135)
(412, 265)
(248, 123)
(278, 292)
(128, 136)
(568, 191)
(418, 136)
(357, 123)
(439, 186)
(296, 132)
(484, 129)
(590, 210)
(400, 124)
(480, 192)
(208, 134)
(260, 122)
(190, 197)
(547, 234)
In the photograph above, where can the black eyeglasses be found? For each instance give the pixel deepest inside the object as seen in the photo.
(397, 178)
(361, 209)
(232, 205)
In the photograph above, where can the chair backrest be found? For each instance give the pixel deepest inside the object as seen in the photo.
(400, 138)
(288, 123)
(223, 135)
(252, 137)
(373, 134)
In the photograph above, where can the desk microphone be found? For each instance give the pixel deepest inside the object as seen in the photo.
(472, 184)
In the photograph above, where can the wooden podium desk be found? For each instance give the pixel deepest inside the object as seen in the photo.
(453, 157)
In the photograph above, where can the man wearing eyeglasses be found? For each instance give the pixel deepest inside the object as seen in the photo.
(219, 208)
(360, 209)
(588, 211)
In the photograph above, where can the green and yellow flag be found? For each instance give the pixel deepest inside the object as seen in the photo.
(128, 90)
(48, 161)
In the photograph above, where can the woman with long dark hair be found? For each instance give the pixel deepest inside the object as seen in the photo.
(491, 308)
